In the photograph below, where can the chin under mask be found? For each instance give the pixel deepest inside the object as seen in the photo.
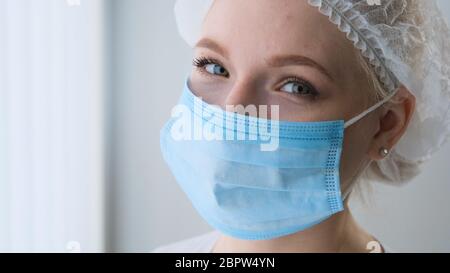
(248, 192)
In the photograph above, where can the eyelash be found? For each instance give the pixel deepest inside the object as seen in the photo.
(200, 63)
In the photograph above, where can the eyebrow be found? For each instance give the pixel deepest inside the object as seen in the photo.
(275, 61)
(288, 60)
(210, 44)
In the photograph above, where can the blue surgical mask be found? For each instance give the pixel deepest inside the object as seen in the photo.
(240, 188)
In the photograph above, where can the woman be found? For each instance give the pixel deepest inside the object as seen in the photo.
(325, 69)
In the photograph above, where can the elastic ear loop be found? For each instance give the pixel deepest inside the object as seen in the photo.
(349, 190)
(357, 118)
(371, 109)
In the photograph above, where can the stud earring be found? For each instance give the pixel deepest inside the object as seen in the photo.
(384, 152)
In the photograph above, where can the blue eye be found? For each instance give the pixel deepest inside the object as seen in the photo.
(216, 69)
(298, 86)
(211, 66)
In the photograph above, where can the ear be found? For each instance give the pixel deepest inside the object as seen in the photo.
(393, 122)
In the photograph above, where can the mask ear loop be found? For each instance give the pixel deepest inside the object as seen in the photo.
(346, 194)
(357, 118)
(353, 183)
(371, 109)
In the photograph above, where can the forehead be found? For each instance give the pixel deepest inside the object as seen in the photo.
(257, 29)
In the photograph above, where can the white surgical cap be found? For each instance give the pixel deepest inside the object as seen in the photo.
(406, 41)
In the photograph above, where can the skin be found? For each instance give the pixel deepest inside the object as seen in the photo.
(249, 34)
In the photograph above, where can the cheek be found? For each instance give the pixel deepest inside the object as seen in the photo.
(357, 141)
(210, 92)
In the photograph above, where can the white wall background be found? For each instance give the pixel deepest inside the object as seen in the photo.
(146, 206)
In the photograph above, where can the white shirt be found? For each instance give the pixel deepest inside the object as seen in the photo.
(202, 244)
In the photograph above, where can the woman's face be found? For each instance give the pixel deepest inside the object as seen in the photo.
(285, 53)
